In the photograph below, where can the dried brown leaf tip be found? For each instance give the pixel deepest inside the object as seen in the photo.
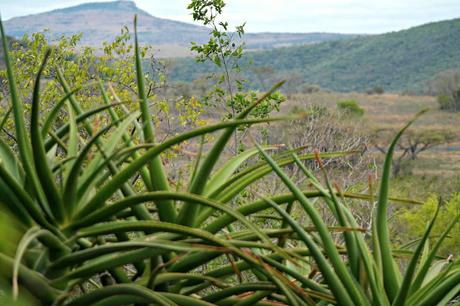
(338, 188)
(318, 158)
(96, 125)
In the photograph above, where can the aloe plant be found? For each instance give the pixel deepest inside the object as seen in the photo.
(90, 236)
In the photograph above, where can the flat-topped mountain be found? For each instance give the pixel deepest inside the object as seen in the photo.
(102, 21)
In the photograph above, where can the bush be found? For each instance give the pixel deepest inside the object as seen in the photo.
(350, 108)
(309, 88)
(444, 102)
(414, 221)
(327, 131)
(377, 90)
(446, 86)
(450, 101)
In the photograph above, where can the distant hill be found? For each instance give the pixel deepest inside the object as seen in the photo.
(396, 61)
(102, 22)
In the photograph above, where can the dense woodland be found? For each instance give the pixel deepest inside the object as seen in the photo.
(400, 61)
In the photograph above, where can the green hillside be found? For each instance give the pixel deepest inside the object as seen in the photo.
(397, 61)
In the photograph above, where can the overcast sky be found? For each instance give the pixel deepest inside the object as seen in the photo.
(344, 16)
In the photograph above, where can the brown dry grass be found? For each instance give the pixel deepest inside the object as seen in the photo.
(393, 111)
(386, 109)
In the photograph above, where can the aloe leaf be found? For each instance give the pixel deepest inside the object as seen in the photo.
(410, 271)
(167, 211)
(132, 290)
(341, 271)
(239, 182)
(24, 147)
(239, 289)
(31, 280)
(130, 299)
(194, 260)
(305, 281)
(174, 277)
(260, 205)
(391, 276)
(73, 141)
(122, 176)
(32, 234)
(234, 185)
(439, 272)
(158, 246)
(428, 262)
(333, 281)
(141, 212)
(100, 175)
(26, 201)
(50, 119)
(188, 213)
(115, 260)
(281, 159)
(339, 211)
(63, 131)
(10, 202)
(276, 233)
(197, 162)
(109, 146)
(28, 237)
(450, 296)
(284, 287)
(70, 190)
(126, 137)
(10, 162)
(227, 170)
(40, 158)
(254, 298)
(159, 197)
(448, 286)
(5, 118)
(182, 299)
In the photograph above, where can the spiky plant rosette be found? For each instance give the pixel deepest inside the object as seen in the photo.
(89, 218)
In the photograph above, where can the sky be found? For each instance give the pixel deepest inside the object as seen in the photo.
(340, 16)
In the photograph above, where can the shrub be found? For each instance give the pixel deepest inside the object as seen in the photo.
(350, 108)
(309, 88)
(444, 102)
(377, 90)
(328, 131)
(450, 101)
(413, 222)
(446, 86)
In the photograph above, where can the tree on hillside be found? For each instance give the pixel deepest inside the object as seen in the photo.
(412, 143)
(446, 86)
